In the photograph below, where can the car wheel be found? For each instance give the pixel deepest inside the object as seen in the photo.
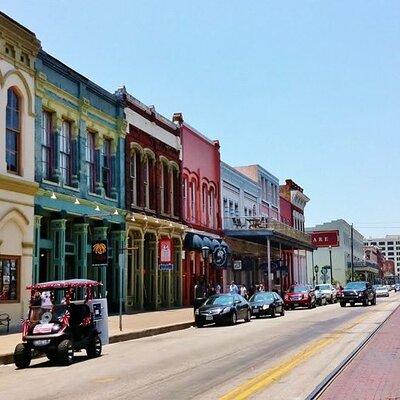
(65, 352)
(248, 316)
(233, 318)
(342, 304)
(22, 356)
(282, 312)
(94, 348)
(273, 313)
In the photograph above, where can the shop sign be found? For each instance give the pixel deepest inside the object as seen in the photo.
(237, 265)
(220, 255)
(99, 253)
(165, 251)
(166, 267)
(325, 238)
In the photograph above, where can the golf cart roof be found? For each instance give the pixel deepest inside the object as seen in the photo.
(66, 284)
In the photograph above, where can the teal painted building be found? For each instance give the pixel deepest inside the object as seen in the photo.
(79, 165)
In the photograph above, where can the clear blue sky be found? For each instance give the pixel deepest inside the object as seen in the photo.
(308, 89)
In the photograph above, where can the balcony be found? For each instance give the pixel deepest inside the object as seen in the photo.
(256, 228)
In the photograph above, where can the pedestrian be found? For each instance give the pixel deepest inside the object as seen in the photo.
(243, 291)
(200, 294)
(217, 288)
(233, 289)
(210, 289)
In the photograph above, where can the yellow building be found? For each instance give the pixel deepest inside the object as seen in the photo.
(18, 50)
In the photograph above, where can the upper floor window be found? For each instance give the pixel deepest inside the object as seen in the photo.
(165, 189)
(47, 144)
(185, 198)
(65, 152)
(193, 201)
(134, 175)
(107, 167)
(13, 131)
(146, 182)
(204, 209)
(91, 161)
(175, 192)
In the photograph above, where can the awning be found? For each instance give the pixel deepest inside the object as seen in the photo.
(195, 242)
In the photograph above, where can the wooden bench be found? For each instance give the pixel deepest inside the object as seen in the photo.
(5, 321)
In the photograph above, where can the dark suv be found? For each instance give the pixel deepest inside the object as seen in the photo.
(358, 292)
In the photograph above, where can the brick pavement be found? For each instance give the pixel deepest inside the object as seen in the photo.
(374, 374)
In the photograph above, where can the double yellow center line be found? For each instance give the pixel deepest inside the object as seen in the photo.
(263, 380)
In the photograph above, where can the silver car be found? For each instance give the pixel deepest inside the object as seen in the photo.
(381, 291)
(329, 291)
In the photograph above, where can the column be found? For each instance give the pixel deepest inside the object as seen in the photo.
(118, 244)
(57, 262)
(36, 248)
(140, 243)
(269, 263)
(100, 273)
(156, 274)
(80, 233)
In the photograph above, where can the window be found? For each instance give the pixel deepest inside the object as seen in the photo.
(133, 176)
(146, 202)
(47, 148)
(204, 204)
(90, 162)
(107, 173)
(13, 131)
(193, 201)
(9, 279)
(211, 205)
(186, 206)
(175, 192)
(65, 152)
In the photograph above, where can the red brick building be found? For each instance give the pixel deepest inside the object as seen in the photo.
(201, 199)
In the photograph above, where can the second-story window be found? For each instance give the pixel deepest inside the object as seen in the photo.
(175, 192)
(13, 131)
(133, 176)
(91, 162)
(193, 201)
(107, 172)
(204, 210)
(146, 186)
(47, 145)
(211, 205)
(65, 152)
(185, 198)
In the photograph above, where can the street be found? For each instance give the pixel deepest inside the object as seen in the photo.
(281, 358)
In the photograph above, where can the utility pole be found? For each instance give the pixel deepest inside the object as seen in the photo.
(330, 263)
(352, 253)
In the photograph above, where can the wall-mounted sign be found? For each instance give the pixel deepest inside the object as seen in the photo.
(165, 251)
(237, 265)
(99, 253)
(220, 256)
(166, 267)
(325, 238)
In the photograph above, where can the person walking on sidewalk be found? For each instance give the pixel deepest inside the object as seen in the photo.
(233, 289)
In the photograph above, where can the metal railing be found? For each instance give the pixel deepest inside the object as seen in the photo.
(260, 223)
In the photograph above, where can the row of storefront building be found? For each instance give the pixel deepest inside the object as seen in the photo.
(80, 165)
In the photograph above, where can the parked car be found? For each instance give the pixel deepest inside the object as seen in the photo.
(266, 303)
(300, 296)
(358, 292)
(58, 330)
(381, 291)
(329, 291)
(223, 308)
(320, 298)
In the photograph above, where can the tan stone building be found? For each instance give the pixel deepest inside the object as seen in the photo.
(18, 50)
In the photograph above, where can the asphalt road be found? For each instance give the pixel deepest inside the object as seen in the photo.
(285, 357)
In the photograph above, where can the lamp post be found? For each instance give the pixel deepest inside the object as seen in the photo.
(330, 263)
(205, 252)
(316, 269)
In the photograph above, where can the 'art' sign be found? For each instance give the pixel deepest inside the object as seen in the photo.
(325, 238)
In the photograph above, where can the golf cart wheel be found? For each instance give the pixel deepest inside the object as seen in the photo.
(342, 304)
(94, 348)
(65, 352)
(22, 356)
(248, 316)
(233, 318)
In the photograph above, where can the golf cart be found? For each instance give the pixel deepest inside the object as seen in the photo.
(58, 330)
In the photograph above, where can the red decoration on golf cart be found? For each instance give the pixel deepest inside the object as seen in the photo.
(69, 283)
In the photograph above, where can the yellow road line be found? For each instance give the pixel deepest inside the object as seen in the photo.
(263, 380)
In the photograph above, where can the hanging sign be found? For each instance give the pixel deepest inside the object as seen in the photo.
(220, 255)
(99, 253)
(237, 265)
(325, 238)
(165, 251)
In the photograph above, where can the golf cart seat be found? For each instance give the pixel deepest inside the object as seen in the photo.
(78, 313)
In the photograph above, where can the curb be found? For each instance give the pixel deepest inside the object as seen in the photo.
(121, 337)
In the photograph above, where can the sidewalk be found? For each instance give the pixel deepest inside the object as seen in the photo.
(374, 372)
(134, 326)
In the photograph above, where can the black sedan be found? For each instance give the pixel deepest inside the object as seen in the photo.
(223, 308)
(266, 303)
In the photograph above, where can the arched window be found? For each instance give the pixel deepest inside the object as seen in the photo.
(135, 177)
(13, 131)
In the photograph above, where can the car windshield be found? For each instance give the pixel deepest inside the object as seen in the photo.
(220, 300)
(54, 313)
(298, 289)
(322, 287)
(355, 286)
(262, 297)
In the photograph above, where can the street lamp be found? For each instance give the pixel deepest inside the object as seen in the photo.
(330, 263)
(316, 269)
(205, 252)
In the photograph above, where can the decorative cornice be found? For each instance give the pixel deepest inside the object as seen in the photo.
(18, 185)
